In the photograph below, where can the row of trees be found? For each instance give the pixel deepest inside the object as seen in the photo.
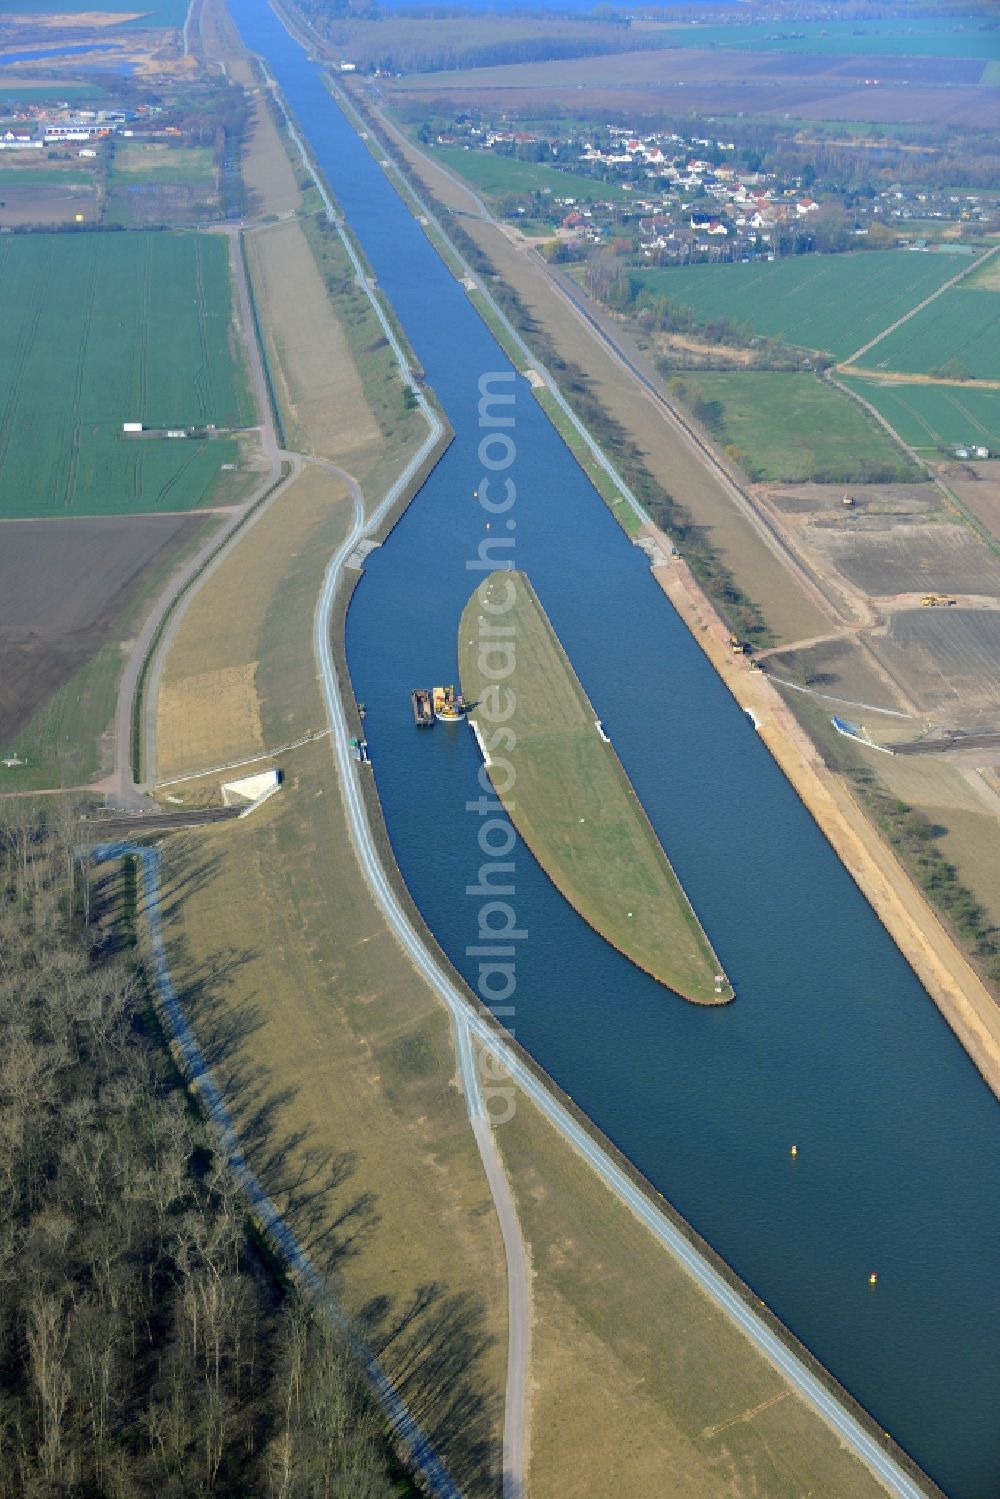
(611, 283)
(147, 1343)
(915, 837)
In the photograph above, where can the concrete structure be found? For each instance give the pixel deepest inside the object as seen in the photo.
(251, 791)
(78, 130)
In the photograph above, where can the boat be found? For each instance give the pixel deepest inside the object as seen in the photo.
(423, 712)
(449, 705)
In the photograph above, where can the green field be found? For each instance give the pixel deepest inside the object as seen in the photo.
(149, 161)
(792, 428)
(100, 329)
(930, 417)
(12, 92)
(923, 36)
(957, 335)
(574, 805)
(830, 302)
(496, 175)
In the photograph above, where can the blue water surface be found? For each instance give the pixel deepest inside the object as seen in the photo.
(832, 1042)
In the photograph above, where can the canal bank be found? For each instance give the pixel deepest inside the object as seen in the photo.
(832, 1044)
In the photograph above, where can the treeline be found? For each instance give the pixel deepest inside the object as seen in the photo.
(611, 284)
(914, 837)
(147, 1342)
(395, 58)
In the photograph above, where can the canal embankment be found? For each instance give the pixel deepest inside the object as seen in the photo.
(957, 990)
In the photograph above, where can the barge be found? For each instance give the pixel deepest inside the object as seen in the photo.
(423, 712)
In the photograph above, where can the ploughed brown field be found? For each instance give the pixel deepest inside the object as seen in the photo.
(932, 91)
(46, 203)
(63, 586)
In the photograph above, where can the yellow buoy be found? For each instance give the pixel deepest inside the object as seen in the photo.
(873, 1279)
(795, 1150)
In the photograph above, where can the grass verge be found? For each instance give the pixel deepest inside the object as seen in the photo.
(792, 428)
(209, 706)
(138, 697)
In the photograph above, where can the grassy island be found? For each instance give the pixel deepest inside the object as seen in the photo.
(567, 792)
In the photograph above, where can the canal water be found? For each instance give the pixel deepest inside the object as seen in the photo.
(832, 1044)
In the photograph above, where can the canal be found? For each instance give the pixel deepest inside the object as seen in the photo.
(832, 1043)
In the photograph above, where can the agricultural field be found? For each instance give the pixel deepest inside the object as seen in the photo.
(47, 199)
(153, 161)
(910, 37)
(717, 81)
(496, 175)
(934, 557)
(834, 303)
(11, 176)
(948, 660)
(37, 91)
(67, 592)
(977, 486)
(153, 183)
(791, 428)
(97, 330)
(930, 417)
(987, 277)
(958, 335)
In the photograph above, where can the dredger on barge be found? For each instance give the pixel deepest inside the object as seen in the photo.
(440, 703)
(449, 705)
